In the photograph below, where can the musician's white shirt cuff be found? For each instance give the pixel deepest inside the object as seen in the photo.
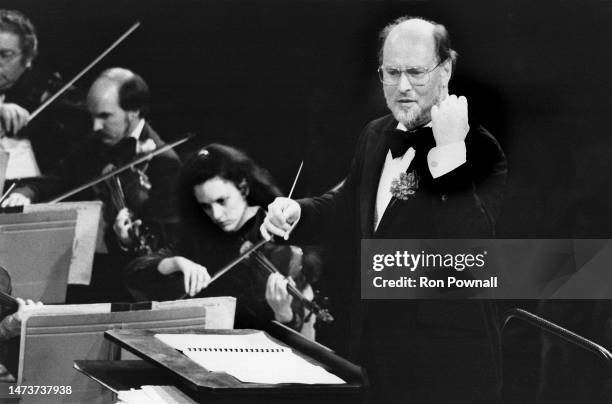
(444, 159)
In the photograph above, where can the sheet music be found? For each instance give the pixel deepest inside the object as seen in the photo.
(251, 358)
(21, 163)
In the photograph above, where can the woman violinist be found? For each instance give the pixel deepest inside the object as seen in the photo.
(221, 192)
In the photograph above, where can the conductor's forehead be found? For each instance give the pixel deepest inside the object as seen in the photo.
(412, 38)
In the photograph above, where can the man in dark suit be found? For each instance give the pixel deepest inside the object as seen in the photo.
(35, 145)
(118, 103)
(422, 172)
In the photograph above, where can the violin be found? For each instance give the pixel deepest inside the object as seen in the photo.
(136, 185)
(314, 308)
(252, 250)
(142, 239)
(121, 169)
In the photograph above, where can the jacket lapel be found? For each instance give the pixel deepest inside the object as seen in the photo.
(146, 132)
(373, 163)
(390, 212)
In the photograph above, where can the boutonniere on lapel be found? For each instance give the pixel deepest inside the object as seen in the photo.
(405, 187)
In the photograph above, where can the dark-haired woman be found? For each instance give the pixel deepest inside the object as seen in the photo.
(221, 194)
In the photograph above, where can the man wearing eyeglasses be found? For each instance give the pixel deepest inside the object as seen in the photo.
(424, 171)
(34, 147)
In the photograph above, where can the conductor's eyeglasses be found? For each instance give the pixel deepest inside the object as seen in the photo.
(417, 75)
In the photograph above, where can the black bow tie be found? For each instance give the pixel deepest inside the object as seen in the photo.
(399, 141)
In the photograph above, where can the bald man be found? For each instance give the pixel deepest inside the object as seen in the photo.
(452, 173)
(118, 103)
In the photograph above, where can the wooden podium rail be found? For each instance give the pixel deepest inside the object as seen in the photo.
(167, 366)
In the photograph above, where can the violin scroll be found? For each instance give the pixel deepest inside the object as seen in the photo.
(321, 313)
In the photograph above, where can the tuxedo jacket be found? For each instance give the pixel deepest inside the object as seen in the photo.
(463, 203)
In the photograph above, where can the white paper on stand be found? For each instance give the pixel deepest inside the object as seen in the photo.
(251, 358)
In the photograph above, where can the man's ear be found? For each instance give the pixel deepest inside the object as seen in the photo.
(446, 71)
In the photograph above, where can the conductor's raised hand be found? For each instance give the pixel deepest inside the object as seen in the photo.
(449, 120)
(283, 215)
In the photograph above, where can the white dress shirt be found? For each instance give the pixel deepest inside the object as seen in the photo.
(440, 159)
(138, 129)
(142, 147)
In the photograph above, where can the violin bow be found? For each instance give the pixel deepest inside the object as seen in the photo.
(85, 70)
(118, 170)
(8, 192)
(253, 248)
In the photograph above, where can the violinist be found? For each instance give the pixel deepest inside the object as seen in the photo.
(221, 193)
(36, 147)
(139, 200)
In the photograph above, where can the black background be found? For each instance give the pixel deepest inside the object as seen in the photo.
(293, 80)
(297, 80)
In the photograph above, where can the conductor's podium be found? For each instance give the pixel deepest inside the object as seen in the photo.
(51, 340)
(178, 378)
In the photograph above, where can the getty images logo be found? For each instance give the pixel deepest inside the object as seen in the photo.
(412, 262)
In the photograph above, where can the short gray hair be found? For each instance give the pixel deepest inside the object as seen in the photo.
(17, 23)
